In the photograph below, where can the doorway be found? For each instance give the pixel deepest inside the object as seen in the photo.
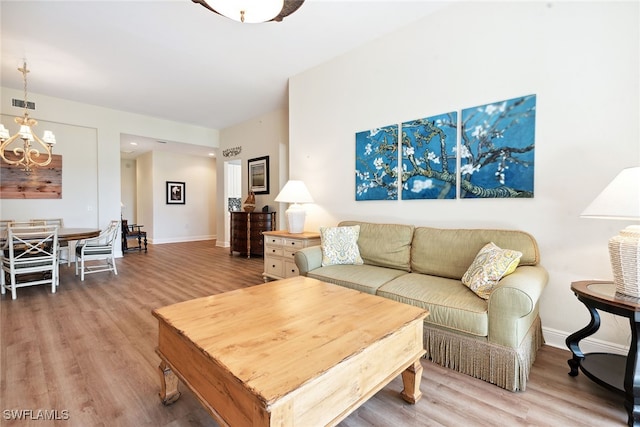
(232, 194)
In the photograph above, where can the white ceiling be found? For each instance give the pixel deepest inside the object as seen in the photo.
(176, 60)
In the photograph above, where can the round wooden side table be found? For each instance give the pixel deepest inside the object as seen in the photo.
(613, 371)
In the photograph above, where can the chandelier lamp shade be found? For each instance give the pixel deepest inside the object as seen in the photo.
(295, 192)
(252, 11)
(26, 155)
(621, 200)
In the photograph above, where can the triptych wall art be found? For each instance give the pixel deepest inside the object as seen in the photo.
(489, 153)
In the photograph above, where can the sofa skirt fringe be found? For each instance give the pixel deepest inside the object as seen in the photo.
(505, 367)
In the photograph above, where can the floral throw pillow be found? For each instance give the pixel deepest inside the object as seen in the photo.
(490, 265)
(340, 245)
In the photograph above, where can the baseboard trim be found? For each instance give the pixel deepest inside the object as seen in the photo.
(556, 338)
(181, 239)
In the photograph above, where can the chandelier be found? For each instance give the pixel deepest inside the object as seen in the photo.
(26, 155)
(252, 11)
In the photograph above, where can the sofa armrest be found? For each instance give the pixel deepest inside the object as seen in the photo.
(308, 259)
(513, 305)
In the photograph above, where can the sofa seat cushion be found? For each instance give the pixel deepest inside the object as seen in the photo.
(450, 303)
(363, 278)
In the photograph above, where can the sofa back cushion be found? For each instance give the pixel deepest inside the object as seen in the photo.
(385, 245)
(450, 252)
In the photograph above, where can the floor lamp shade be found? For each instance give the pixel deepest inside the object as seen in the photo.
(621, 200)
(295, 192)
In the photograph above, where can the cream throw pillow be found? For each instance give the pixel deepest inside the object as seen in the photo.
(340, 245)
(490, 265)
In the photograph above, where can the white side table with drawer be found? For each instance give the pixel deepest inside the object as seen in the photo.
(279, 247)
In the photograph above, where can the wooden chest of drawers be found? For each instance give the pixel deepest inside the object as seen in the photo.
(279, 247)
(247, 229)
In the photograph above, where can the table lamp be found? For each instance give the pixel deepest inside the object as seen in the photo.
(295, 192)
(621, 200)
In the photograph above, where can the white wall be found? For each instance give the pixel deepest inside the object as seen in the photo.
(104, 166)
(580, 59)
(144, 188)
(78, 206)
(196, 219)
(144, 192)
(128, 190)
(265, 135)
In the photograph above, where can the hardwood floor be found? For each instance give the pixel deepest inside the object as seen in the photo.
(88, 352)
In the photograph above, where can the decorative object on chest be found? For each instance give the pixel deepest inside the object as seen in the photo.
(279, 248)
(247, 229)
(234, 204)
(250, 203)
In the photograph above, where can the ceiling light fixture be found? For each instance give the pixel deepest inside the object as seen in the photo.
(252, 11)
(25, 155)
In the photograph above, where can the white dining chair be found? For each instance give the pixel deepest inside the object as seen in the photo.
(4, 223)
(30, 257)
(100, 248)
(26, 223)
(64, 252)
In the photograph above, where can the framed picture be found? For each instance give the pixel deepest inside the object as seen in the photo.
(259, 175)
(175, 193)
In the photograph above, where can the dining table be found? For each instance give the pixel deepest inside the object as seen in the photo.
(66, 234)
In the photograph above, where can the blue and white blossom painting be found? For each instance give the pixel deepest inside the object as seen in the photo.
(429, 157)
(377, 164)
(497, 149)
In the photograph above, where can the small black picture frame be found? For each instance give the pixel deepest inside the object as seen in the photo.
(175, 193)
(258, 169)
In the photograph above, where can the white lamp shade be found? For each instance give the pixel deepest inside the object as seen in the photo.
(25, 133)
(255, 11)
(620, 199)
(49, 137)
(4, 132)
(294, 192)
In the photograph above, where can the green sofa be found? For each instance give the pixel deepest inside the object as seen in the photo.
(495, 340)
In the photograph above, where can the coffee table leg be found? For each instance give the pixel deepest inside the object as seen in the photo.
(411, 380)
(168, 384)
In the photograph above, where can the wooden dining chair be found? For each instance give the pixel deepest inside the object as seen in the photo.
(100, 248)
(133, 233)
(30, 257)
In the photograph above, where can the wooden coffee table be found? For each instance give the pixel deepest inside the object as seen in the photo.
(293, 352)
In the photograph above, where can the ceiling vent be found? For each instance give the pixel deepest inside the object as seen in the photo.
(20, 104)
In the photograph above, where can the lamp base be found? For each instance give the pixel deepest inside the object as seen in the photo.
(295, 218)
(624, 251)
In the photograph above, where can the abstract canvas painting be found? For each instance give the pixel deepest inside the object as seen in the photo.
(429, 157)
(497, 149)
(377, 164)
